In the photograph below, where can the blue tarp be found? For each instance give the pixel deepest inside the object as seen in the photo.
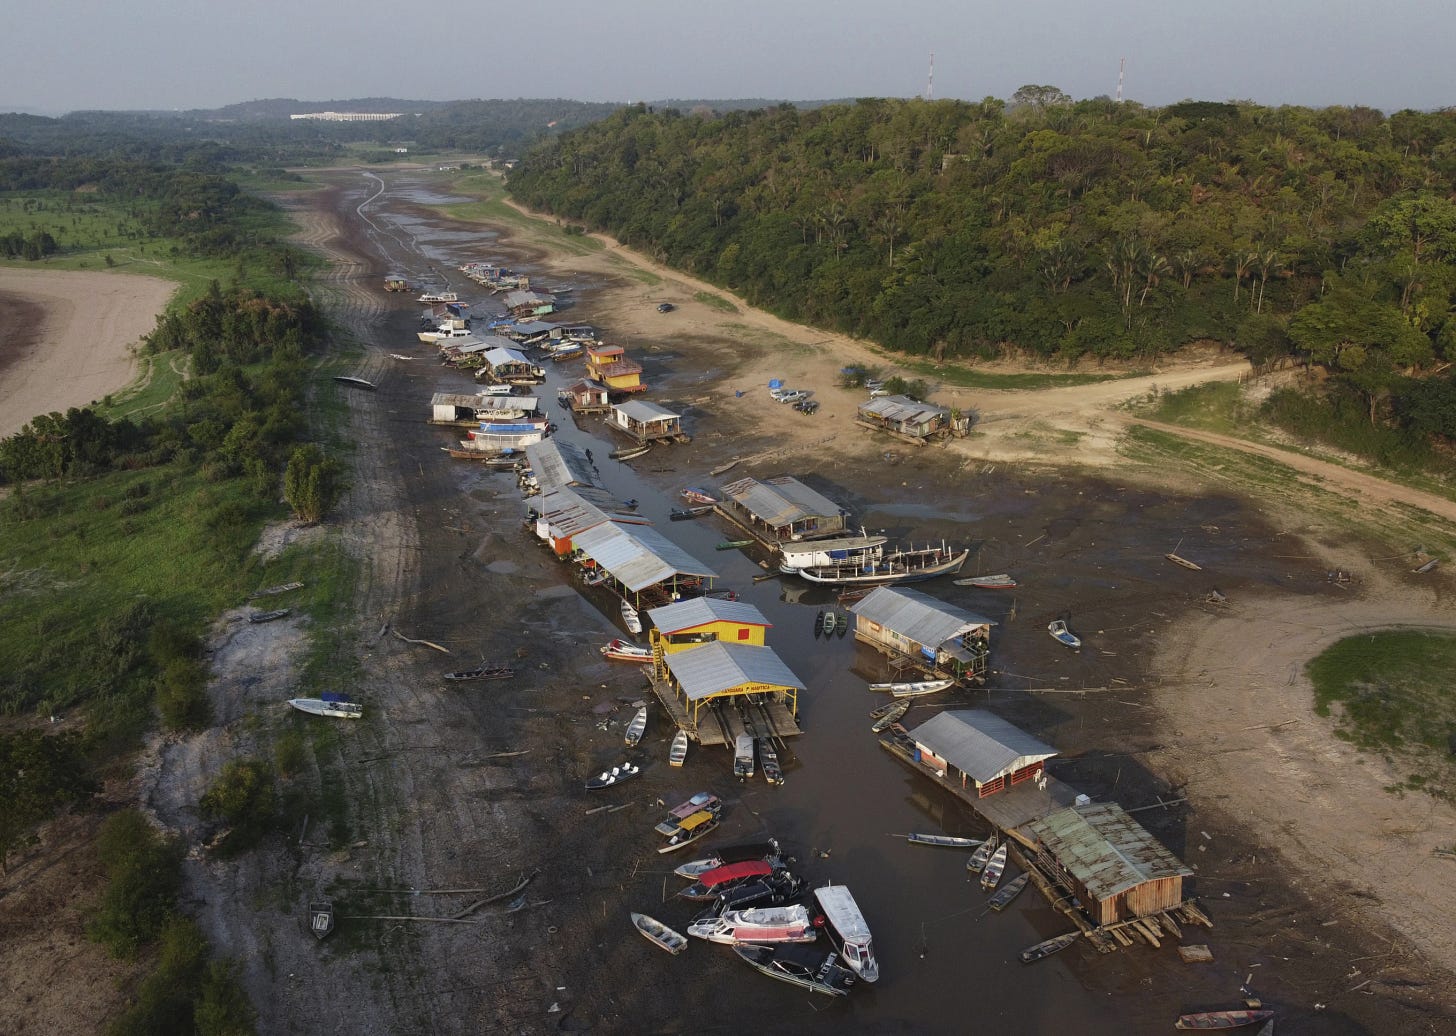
(775, 383)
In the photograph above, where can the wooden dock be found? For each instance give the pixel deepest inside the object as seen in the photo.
(725, 719)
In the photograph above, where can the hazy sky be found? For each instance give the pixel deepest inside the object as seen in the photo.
(59, 55)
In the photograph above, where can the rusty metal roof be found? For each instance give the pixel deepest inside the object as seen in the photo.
(1105, 849)
(980, 744)
(717, 667)
(571, 510)
(780, 501)
(699, 611)
(902, 410)
(638, 556)
(916, 616)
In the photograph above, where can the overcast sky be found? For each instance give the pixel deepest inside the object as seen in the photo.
(60, 55)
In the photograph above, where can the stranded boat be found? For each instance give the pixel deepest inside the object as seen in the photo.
(690, 830)
(321, 919)
(1047, 947)
(1003, 897)
(659, 934)
(1058, 629)
(757, 925)
(903, 566)
(801, 966)
(335, 705)
(1222, 1019)
(678, 753)
(1000, 581)
(616, 775)
(994, 867)
(712, 883)
(729, 854)
(743, 757)
(636, 728)
(698, 497)
(631, 619)
(769, 761)
(913, 689)
(949, 841)
(620, 650)
(849, 930)
(484, 671)
(977, 863)
(892, 714)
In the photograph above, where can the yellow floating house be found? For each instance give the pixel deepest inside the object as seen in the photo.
(609, 365)
(683, 625)
(708, 674)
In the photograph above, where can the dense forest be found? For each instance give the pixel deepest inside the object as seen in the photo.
(261, 132)
(1048, 227)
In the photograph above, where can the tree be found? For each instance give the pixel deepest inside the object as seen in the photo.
(312, 483)
(39, 774)
(243, 798)
(142, 882)
(1039, 97)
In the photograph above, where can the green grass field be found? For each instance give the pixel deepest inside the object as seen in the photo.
(490, 207)
(1390, 693)
(715, 301)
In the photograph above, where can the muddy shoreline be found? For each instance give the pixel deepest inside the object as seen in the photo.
(441, 803)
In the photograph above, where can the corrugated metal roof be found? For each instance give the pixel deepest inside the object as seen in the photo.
(644, 411)
(454, 399)
(697, 611)
(499, 357)
(780, 501)
(573, 510)
(916, 616)
(717, 667)
(640, 556)
(534, 327)
(902, 408)
(1105, 849)
(556, 464)
(980, 744)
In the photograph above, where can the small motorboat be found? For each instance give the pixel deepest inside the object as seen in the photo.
(698, 497)
(768, 760)
(729, 854)
(631, 619)
(630, 452)
(702, 800)
(1000, 581)
(636, 728)
(620, 650)
(321, 918)
(914, 688)
(841, 624)
(819, 623)
(1058, 629)
(757, 925)
(977, 863)
(778, 888)
(690, 830)
(827, 622)
(1004, 895)
(276, 613)
(734, 544)
(994, 868)
(802, 966)
(659, 934)
(1179, 559)
(1047, 947)
(334, 705)
(712, 883)
(892, 714)
(682, 514)
(616, 775)
(743, 757)
(948, 841)
(678, 753)
(849, 930)
(1205, 1020)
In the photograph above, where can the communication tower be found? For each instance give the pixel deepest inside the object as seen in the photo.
(930, 79)
(1121, 66)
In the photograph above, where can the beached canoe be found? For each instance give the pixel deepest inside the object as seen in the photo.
(659, 934)
(636, 728)
(1000, 581)
(945, 841)
(678, 753)
(1209, 1020)
(894, 713)
(1004, 895)
(994, 868)
(1047, 947)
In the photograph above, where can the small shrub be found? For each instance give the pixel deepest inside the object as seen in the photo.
(243, 798)
(181, 693)
(289, 756)
(142, 881)
(164, 1002)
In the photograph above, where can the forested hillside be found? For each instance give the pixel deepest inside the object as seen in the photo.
(1061, 229)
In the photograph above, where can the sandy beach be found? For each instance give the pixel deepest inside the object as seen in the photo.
(66, 337)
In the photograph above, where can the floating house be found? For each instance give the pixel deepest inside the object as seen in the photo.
(782, 509)
(979, 751)
(525, 303)
(568, 511)
(646, 421)
(396, 282)
(511, 366)
(917, 630)
(687, 624)
(910, 419)
(531, 332)
(1113, 865)
(557, 464)
(717, 672)
(458, 408)
(609, 365)
(587, 397)
(647, 566)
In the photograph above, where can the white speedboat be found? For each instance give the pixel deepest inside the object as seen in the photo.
(328, 706)
(849, 928)
(757, 925)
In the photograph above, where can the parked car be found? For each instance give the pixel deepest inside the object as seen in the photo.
(807, 406)
(665, 307)
(778, 394)
(793, 396)
(876, 393)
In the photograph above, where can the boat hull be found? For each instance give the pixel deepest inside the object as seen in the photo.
(901, 567)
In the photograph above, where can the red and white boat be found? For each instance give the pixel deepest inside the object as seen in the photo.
(624, 651)
(712, 882)
(758, 925)
(701, 497)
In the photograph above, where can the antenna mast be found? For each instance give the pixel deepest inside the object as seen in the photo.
(930, 79)
(1121, 66)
